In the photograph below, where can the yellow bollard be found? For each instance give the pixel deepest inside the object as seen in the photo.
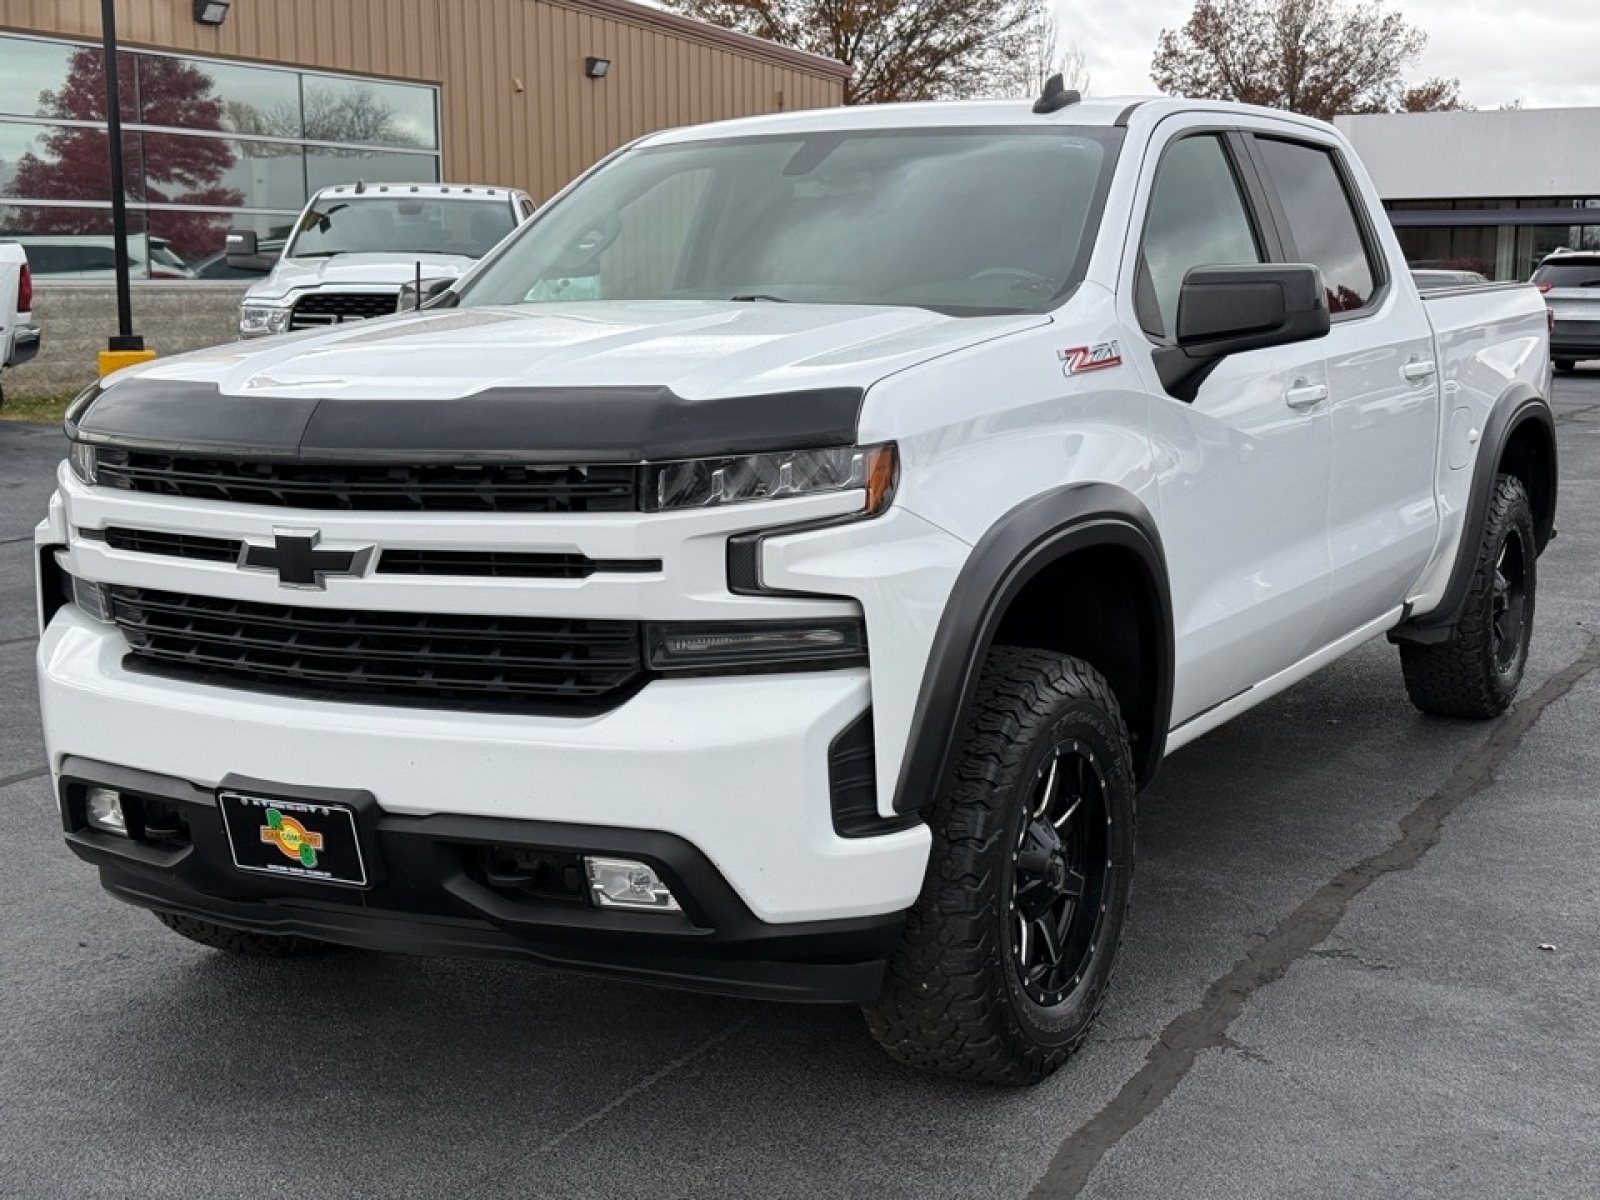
(115, 360)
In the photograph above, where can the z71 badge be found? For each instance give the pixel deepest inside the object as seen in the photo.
(1091, 358)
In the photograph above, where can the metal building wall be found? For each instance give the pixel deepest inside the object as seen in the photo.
(517, 107)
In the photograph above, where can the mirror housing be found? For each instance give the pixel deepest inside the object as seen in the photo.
(244, 254)
(1228, 310)
(408, 298)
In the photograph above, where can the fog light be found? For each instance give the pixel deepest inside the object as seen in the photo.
(103, 808)
(622, 883)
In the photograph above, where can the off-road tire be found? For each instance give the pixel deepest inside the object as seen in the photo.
(954, 1000)
(1476, 672)
(242, 942)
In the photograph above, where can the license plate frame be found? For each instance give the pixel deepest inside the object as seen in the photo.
(311, 841)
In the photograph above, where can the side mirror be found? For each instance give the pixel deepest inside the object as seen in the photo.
(243, 254)
(410, 299)
(1228, 310)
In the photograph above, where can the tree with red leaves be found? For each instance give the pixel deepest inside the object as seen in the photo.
(157, 167)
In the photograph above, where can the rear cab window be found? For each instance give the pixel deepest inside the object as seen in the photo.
(1323, 226)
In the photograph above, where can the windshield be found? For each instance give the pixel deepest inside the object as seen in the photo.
(401, 225)
(963, 221)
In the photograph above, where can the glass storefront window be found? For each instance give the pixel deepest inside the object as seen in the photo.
(257, 174)
(325, 167)
(368, 113)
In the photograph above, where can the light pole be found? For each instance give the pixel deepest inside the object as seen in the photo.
(126, 347)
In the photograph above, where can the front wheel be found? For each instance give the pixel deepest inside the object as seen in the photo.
(1007, 953)
(1477, 670)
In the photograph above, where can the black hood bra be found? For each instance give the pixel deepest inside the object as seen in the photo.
(531, 425)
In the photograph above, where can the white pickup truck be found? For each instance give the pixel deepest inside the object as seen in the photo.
(777, 569)
(355, 246)
(19, 336)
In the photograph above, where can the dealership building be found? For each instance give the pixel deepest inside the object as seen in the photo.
(234, 112)
(1486, 191)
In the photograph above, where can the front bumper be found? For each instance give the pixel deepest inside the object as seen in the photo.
(434, 890)
(735, 765)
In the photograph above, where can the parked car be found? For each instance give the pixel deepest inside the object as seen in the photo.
(796, 612)
(1570, 281)
(1428, 280)
(19, 336)
(356, 245)
(92, 258)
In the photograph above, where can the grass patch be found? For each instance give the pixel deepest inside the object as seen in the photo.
(42, 410)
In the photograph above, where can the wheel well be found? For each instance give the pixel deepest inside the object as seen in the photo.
(1099, 604)
(1529, 456)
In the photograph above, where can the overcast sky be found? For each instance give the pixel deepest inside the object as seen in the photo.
(1545, 52)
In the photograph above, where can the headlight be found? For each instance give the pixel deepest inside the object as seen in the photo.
(81, 458)
(258, 320)
(706, 482)
(736, 645)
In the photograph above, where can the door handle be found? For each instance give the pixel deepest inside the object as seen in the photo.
(1415, 371)
(1305, 395)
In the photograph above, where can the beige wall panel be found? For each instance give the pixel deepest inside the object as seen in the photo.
(664, 72)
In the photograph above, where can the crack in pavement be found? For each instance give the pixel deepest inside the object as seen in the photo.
(508, 1169)
(1205, 1026)
(1571, 414)
(24, 776)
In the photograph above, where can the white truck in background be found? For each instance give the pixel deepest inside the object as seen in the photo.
(356, 245)
(19, 336)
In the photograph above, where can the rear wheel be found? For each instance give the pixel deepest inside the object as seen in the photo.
(242, 942)
(1476, 672)
(1007, 954)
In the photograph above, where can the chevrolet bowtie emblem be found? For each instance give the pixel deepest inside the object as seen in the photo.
(299, 563)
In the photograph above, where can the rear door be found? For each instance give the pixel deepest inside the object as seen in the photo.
(1383, 383)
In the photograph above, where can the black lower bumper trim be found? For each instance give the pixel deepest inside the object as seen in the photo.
(431, 895)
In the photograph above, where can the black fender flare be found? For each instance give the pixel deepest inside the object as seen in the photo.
(1517, 406)
(1028, 538)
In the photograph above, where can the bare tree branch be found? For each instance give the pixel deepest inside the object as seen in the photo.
(1318, 57)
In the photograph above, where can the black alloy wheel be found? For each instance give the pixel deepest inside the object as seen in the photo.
(1059, 873)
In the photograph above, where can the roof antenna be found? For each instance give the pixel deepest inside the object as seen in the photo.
(1056, 95)
(361, 184)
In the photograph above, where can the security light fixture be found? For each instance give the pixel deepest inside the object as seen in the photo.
(211, 12)
(596, 68)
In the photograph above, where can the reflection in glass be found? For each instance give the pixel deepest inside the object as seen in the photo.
(76, 244)
(368, 113)
(250, 100)
(325, 167)
(51, 79)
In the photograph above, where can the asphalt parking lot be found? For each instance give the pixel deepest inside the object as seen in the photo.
(1363, 960)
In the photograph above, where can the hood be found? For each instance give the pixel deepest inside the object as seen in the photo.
(388, 269)
(584, 382)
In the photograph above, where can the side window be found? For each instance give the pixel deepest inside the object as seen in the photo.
(1197, 218)
(1321, 220)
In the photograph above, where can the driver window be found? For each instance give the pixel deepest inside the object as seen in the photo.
(1197, 218)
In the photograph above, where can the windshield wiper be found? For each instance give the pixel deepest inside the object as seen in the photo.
(762, 296)
(319, 254)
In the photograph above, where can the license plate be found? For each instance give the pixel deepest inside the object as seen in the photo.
(314, 842)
